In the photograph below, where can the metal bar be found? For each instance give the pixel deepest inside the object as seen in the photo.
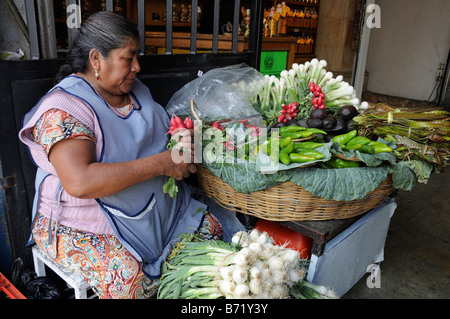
(443, 95)
(361, 56)
(32, 29)
(215, 45)
(109, 5)
(18, 17)
(169, 25)
(141, 24)
(256, 29)
(234, 41)
(47, 30)
(194, 14)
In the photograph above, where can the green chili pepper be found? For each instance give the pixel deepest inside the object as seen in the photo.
(368, 149)
(284, 141)
(307, 145)
(268, 148)
(313, 153)
(291, 129)
(380, 147)
(341, 163)
(316, 131)
(298, 158)
(285, 159)
(297, 135)
(357, 142)
(289, 148)
(344, 138)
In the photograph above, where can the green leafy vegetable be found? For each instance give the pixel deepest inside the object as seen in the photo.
(170, 187)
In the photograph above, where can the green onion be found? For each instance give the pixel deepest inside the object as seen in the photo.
(251, 266)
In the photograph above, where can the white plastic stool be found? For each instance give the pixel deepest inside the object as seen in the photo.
(80, 286)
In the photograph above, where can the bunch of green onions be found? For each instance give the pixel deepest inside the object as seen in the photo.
(251, 266)
(420, 133)
(292, 86)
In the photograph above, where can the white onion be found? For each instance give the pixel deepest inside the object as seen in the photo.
(276, 263)
(263, 238)
(279, 277)
(254, 234)
(255, 286)
(227, 287)
(256, 248)
(266, 276)
(291, 256)
(240, 239)
(255, 273)
(295, 274)
(227, 273)
(278, 292)
(239, 275)
(241, 291)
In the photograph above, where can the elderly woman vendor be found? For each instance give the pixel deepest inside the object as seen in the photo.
(99, 142)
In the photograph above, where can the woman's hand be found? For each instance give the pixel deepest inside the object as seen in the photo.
(181, 160)
(176, 169)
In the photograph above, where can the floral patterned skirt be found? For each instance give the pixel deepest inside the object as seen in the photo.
(109, 268)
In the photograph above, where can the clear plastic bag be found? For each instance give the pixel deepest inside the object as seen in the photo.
(221, 93)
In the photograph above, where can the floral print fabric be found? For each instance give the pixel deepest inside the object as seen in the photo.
(109, 268)
(56, 125)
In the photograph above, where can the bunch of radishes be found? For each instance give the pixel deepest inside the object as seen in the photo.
(288, 112)
(177, 123)
(318, 101)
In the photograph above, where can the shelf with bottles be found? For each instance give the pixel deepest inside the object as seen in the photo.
(299, 19)
(289, 18)
(305, 45)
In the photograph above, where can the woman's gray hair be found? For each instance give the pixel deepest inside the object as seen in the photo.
(103, 31)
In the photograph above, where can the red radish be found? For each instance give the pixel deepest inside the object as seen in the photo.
(188, 123)
(318, 101)
(288, 112)
(179, 122)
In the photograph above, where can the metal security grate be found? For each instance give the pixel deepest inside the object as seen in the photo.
(42, 35)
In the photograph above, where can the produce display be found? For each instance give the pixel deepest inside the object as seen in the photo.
(251, 266)
(309, 86)
(309, 129)
(307, 105)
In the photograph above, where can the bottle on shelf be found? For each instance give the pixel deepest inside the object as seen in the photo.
(283, 10)
(314, 18)
(175, 14)
(189, 13)
(184, 15)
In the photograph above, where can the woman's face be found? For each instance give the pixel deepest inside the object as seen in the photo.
(118, 71)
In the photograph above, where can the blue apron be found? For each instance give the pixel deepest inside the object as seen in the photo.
(146, 221)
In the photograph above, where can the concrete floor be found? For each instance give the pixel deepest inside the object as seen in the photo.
(417, 251)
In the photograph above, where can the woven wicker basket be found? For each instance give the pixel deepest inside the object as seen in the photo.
(289, 202)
